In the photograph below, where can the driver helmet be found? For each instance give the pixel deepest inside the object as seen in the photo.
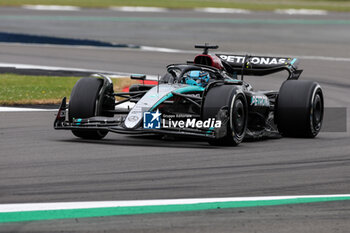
(197, 78)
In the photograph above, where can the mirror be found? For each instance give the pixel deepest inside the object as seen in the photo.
(138, 76)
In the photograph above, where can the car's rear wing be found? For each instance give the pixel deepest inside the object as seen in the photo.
(260, 65)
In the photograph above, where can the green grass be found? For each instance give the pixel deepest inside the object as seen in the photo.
(23, 89)
(333, 5)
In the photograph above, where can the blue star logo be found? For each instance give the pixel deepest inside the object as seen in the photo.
(151, 120)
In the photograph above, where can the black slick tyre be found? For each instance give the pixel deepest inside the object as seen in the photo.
(83, 104)
(234, 101)
(299, 109)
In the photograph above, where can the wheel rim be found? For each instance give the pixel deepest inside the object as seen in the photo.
(238, 119)
(317, 112)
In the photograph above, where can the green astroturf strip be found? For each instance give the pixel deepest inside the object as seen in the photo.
(178, 20)
(115, 211)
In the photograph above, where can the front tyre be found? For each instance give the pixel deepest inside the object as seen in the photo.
(83, 104)
(234, 101)
(299, 109)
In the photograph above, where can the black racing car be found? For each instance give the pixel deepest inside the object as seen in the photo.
(206, 98)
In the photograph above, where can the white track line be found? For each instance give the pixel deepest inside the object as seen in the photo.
(57, 68)
(323, 58)
(111, 74)
(139, 9)
(104, 204)
(169, 50)
(51, 8)
(162, 50)
(52, 68)
(126, 105)
(301, 12)
(223, 10)
(17, 109)
(162, 9)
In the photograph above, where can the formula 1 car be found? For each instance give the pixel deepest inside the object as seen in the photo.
(206, 98)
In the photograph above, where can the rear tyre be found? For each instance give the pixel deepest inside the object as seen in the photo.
(299, 109)
(83, 104)
(229, 97)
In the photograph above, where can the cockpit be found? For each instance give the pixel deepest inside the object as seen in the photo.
(193, 75)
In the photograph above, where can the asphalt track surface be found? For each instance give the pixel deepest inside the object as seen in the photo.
(39, 164)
